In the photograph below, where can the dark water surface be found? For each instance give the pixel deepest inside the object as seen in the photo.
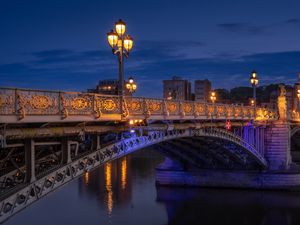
(124, 192)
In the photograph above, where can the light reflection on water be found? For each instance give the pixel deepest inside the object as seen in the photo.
(124, 192)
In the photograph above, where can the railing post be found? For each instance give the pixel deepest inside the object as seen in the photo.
(30, 160)
(66, 151)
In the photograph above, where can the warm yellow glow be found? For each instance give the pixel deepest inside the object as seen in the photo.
(134, 87)
(120, 27)
(128, 86)
(298, 94)
(213, 97)
(254, 79)
(112, 38)
(108, 186)
(131, 122)
(140, 121)
(123, 173)
(86, 178)
(128, 43)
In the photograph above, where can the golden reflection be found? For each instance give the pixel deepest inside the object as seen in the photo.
(86, 178)
(108, 186)
(123, 173)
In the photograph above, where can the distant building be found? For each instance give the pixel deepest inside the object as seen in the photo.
(202, 90)
(177, 88)
(108, 87)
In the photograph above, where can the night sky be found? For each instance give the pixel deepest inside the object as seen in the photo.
(61, 45)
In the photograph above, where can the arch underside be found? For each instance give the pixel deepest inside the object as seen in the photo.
(208, 153)
(207, 149)
(295, 145)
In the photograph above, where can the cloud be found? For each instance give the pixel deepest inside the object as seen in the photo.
(293, 21)
(244, 28)
(79, 70)
(254, 29)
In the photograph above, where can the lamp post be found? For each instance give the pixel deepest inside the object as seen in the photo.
(121, 45)
(213, 99)
(254, 83)
(131, 85)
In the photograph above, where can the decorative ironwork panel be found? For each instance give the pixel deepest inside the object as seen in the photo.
(200, 109)
(107, 104)
(31, 102)
(172, 107)
(7, 101)
(188, 108)
(135, 105)
(77, 103)
(155, 107)
(238, 111)
(221, 110)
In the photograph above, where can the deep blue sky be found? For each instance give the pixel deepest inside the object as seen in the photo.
(60, 44)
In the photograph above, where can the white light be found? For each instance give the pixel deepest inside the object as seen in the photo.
(132, 131)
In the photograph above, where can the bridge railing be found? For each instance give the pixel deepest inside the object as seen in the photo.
(26, 102)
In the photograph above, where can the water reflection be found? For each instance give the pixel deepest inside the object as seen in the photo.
(108, 187)
(109, 184)
(234, 207)
(117, 185)
(124, 192)
(124, 173)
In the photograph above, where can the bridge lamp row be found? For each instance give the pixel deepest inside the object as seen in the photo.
(135, 122)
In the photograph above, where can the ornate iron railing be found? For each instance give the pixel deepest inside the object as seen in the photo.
(25, 103)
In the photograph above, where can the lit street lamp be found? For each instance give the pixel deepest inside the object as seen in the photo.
(298, 94)
(131, 85)
(121, 45)
(254, 83)
(213, 97)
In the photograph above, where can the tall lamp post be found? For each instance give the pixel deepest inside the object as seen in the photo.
(213, 99)
(254, 83)
(121, 45)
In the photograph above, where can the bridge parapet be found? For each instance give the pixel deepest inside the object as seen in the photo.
(27, 106)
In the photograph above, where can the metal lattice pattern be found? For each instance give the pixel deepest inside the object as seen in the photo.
(24, 194)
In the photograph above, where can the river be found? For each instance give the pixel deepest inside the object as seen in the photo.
(124, 192)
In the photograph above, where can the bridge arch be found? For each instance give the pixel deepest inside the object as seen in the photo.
(295, 130)
(53, 180)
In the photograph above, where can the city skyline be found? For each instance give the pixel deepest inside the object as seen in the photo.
(62, 46)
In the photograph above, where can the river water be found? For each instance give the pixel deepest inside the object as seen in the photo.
(124, 192)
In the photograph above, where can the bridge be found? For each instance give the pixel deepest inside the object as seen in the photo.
(50, 138)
